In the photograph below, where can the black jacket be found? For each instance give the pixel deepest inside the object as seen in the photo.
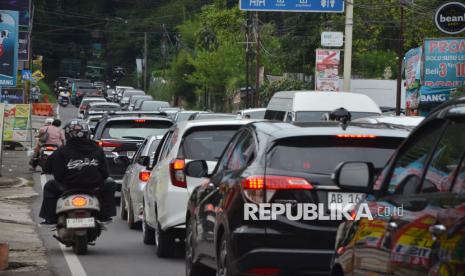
(78, 164)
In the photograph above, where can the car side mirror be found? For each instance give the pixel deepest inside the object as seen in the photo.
(354, 176)
(122, 160)
(144, 161)
(197, 169)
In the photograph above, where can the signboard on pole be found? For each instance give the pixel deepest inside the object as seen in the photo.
(334, 6)
(12, 95)
(21, 6)
(16, 122)
(332, 39)
(37, 75)
(450, 18)
(412, 68)
(23, 46)
(327, 70)
(8, 47)
(444, 64)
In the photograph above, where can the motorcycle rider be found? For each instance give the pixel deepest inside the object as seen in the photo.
(63, 94)
(54, 137)
(80, 164)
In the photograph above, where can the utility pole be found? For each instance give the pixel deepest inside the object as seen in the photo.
(400, 59)
(348, 45)
(257, 61)
(247, 60)
(145, 62)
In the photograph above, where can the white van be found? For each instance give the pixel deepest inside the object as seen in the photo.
(309, 106)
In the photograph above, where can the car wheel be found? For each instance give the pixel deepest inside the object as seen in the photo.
(223, 263)
(130, 216)
(122, 207)
(164, 242)
(193, 268)
(148, 234)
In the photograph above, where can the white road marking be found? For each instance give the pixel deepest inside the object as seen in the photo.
(75, 266)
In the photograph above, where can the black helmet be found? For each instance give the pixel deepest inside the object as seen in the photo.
(76, 129)
(57, 122)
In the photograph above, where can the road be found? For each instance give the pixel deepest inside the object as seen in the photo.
(118, 252)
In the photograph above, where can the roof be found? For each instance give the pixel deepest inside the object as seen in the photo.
(219, 122)
(98, 99)
(326, 101)
(102, 103)
(279, 130)
(148, 118)
(411, 121)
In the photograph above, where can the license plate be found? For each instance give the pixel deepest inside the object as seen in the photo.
(130, 154)
(343, 199)
(80, 222)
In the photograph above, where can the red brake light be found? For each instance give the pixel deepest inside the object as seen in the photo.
(139, 121)
(275, 182)
(178, 178)
(50, 148)
(144, 176)
(264, 271)
(360, 136)
(108, 146)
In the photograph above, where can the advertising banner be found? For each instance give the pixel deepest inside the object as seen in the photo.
(2, 114)
(8, 47)
(11, 95)
(16, 122)
(327, 70)
(412, 68)
(293, 5)
(444, 64)
(22, 6)
(23, 46)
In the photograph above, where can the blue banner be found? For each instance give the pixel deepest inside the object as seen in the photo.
(11, 95)
(8, 47)
(430, 95)
(22, 6)
(336, 6)
(444, 62)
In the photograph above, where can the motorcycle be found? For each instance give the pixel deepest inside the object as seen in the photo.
(63, 100)
(77, 226)
(44, 154)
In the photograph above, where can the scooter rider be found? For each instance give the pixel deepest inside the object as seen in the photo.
(80, 164)
(54, 137)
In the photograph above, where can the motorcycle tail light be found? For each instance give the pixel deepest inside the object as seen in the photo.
(50, 148)
(79, 201)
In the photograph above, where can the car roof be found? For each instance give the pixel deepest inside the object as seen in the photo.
(252, 110)
(220, 122)
(326, 101)
(102, 103)
(411, 121)
(101, 99)
(280, 130)
(148, 118)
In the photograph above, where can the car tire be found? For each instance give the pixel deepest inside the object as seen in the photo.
(164, 242)
(130, 216)
(148, 234)
(123, 212)
(223, 261)
(194, 268)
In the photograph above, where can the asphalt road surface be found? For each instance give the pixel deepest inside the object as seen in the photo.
(118, 251)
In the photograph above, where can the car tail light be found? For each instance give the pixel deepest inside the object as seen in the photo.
(79, 201)
(263, 271)
(108, 146)
(255, 186)
(144, 176)
(139, 121)
(178, 178)
(359, 136)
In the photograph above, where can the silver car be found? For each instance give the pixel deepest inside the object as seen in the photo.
(134, 181)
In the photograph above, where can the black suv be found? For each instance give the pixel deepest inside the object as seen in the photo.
(417, 204)
(276, 163)
(120, 137)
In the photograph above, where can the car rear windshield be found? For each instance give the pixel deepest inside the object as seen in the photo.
(128, 94)
(206, 144)
(312, 116)
(137, 129)
(148, 105)
(321, 155)
(104, 108)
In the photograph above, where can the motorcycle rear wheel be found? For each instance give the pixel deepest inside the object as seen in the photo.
(80, 245)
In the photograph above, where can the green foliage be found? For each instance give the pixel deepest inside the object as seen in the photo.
(372, 64)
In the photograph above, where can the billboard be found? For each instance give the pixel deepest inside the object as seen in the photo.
(23, 46)
(444, 64)
(413, 68)
(11, 95)
(22, 6)
(336, 6)
(8, 47)
(16, 122)
(327, 70)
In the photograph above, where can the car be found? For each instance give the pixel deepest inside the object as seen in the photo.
(183, 115)
(92, 121)
(134, 181)
(170, 111)
(211, 116)
(417, 204)
(134, 98)
(268, 163)
(120, 137)
(165, 195)
(310, 106)
(407, 121)
(86, 101)
(124, 102)
(252, 113)
(75, 84)
(119, 91)
(151, 105)
(100, 108)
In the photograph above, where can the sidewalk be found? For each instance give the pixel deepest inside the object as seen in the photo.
(27, 255)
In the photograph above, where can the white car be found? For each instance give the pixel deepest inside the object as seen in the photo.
(406, 121)
(134, 181)
(166, 194)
